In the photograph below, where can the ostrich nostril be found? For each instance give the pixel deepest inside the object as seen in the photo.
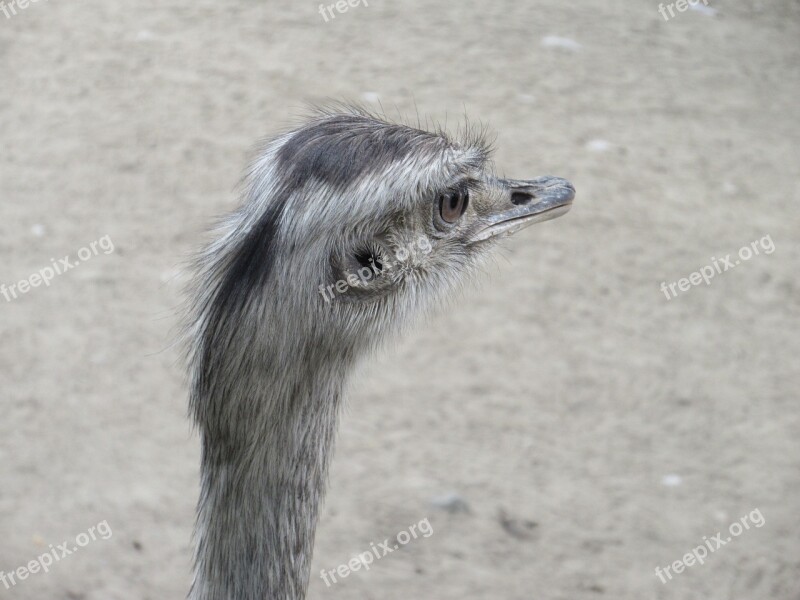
(521, 198)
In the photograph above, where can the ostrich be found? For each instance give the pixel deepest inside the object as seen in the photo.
(402, 216)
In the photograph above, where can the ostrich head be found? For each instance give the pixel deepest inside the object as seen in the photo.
(349, 227)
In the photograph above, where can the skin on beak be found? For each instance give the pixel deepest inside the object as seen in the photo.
(527, 201)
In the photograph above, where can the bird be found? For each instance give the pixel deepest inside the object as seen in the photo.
(349, 227)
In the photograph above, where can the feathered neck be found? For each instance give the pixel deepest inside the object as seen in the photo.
(266, 442)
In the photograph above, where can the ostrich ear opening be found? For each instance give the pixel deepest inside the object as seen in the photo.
(369, 257)
(361, 270)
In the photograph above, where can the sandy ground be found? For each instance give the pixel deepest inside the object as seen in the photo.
(594, 429)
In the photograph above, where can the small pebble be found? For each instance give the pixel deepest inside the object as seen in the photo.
(703, 9)
(729, 188)
(671, 480)
(555, 41)
(598, 145)
(452, 503)
(526, 98)
(522, 529)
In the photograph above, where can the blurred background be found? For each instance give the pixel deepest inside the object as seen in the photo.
(565, 428)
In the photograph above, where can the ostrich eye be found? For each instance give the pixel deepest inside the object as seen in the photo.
(453, 204)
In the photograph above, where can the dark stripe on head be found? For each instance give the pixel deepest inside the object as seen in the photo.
(335, 150)
(340, 149)
(240, 280)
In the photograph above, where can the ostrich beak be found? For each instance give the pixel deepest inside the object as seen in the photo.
(529, 201)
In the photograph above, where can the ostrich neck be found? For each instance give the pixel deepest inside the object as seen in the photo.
(267, 438)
